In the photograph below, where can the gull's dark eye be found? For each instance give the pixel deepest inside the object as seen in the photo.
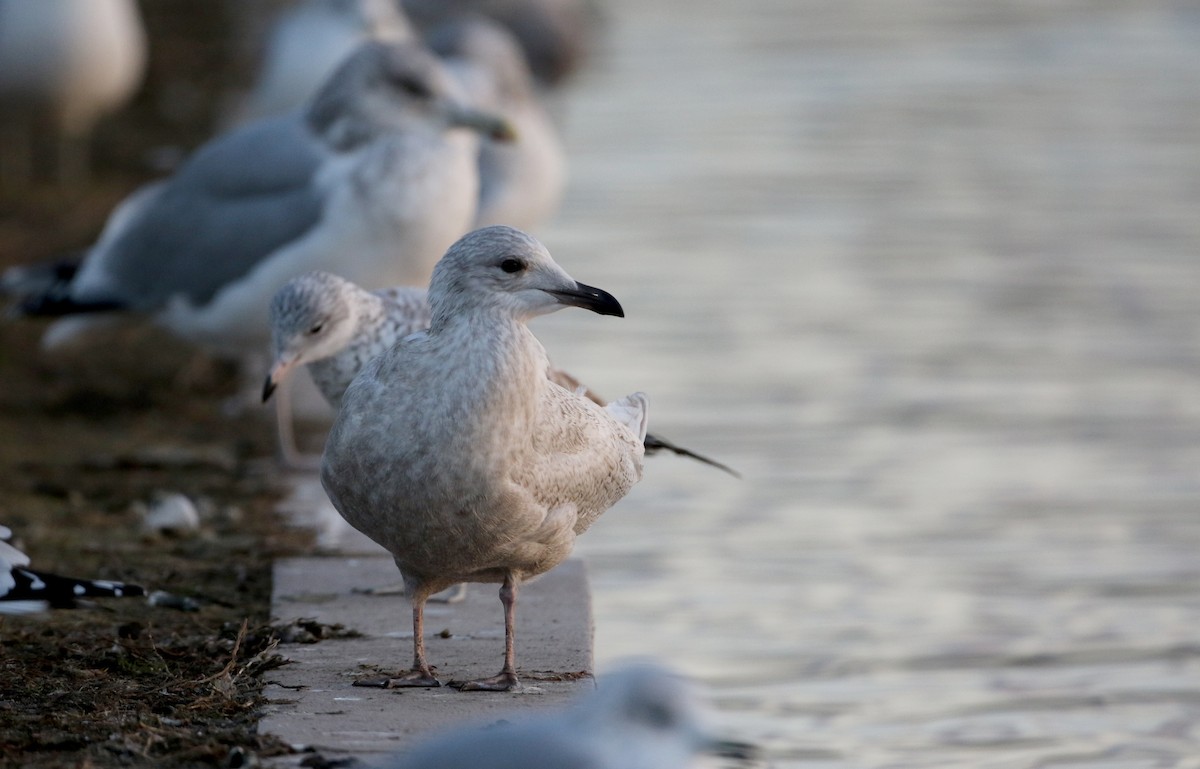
(512, 264)
(657, 716)
(316, 328)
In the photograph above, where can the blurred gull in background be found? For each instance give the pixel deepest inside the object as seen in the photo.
(371, 181)
(521, 182)
(642, 716)
(306, 44)
(556, 35)
(64, 64)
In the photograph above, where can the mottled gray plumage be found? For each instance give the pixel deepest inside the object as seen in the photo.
(642, 716)
(334, 327)
(453, 450)
(369, 181)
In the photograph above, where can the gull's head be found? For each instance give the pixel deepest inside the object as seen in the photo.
(313, 316)
(386, 87)
(496, 70)
(648, 715)
(378, 19)
(502, 268)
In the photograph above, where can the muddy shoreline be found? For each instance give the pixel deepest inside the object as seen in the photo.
(90, 436)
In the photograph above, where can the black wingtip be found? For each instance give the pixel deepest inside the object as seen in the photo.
(40, 278)
(268, 388)
(44, 289)
(53, 304)
(654, 443)
(61, 592)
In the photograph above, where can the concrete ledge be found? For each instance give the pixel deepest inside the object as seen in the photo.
(313, 704)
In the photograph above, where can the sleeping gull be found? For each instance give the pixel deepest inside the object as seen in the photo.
(334, 327)
(454, 451)
(64, 65)
(642, 716)
(25, 591)
(520, 182)
(369, 180)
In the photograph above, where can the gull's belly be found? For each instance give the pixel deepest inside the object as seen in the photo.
(456, 537)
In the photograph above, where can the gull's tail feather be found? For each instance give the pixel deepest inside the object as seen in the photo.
(30, 588)
(655, 443)
(631, 411)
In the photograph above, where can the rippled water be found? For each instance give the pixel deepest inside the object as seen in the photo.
(928, 274)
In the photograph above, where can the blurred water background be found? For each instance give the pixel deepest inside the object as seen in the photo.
(927, 273)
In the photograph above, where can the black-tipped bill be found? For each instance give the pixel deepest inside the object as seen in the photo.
(276, 375)
(268, 388)
(589, 298)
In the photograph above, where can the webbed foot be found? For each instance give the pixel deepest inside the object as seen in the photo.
(503, 682)
(409, 678)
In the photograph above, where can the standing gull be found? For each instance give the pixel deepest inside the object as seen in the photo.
(454, 451)
(370, 180)
(520, 182)
(334, 327)
(64, 64)
(557, 36)
(642, 716)
(308, 41)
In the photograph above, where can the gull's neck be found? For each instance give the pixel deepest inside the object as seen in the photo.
(508, 361)
(369, 318)
(367, 315)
